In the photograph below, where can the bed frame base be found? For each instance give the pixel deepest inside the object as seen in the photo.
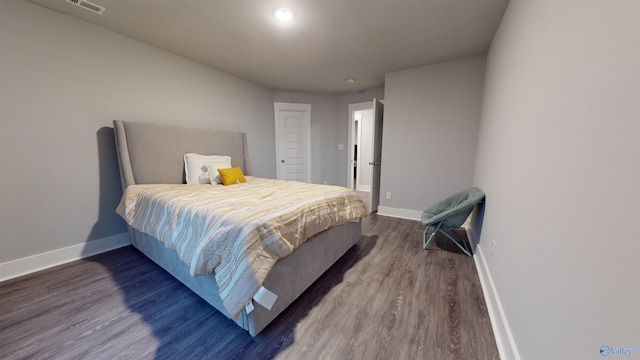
(285, 279)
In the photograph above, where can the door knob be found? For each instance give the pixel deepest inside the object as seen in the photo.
(282, 161)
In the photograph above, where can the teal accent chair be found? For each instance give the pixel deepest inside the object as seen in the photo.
(450, 214)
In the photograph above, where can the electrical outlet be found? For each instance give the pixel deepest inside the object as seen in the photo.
(493, 248)
(388, 195)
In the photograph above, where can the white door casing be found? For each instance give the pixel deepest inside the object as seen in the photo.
(373, 164)
(293, 141)
(353, 135)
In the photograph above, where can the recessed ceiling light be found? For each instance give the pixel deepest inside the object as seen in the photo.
(283, 14)
(350, 80)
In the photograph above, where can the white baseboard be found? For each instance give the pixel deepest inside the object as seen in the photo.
(14, 268)
(501, 330)
(400, 213)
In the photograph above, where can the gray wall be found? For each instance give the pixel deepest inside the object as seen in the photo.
(431, 120)
(63, 82)
(559, 159)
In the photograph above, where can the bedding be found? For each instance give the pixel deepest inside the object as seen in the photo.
(198, 168)
(237, 232)
(230, 176)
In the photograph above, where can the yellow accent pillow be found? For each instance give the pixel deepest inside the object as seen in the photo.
(231, 176)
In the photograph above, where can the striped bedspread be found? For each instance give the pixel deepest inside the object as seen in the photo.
(237, 232)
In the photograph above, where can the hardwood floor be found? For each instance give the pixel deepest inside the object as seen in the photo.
(385, 299)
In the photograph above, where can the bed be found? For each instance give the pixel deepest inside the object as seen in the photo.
(153, 154)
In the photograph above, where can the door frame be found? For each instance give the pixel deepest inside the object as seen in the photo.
(353, 108)
(368, 105)
(306, 109)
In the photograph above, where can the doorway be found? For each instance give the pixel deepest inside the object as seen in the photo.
(293, 141)
(365, 151)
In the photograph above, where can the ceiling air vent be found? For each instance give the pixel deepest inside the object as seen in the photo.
(88, 6)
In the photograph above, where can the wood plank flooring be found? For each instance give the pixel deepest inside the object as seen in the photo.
(385, 299)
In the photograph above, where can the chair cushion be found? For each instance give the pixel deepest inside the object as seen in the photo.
(453, 210)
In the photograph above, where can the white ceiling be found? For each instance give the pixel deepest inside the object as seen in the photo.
(327, 42)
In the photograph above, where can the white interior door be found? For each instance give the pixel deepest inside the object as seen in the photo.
(378, 111)
(293, 141)
(365, 150)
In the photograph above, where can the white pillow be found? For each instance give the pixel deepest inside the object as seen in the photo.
(197, 171)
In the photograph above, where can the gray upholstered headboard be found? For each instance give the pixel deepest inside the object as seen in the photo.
(153, 153)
